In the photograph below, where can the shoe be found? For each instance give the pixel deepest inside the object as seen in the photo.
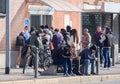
(101, 65)
(93, 73)
(108, 68)
(78, 73)
(17, 66)
(72, 74)
(39, 72)
(104, 68)
(66, 75)
(87, 74)
(28, 67)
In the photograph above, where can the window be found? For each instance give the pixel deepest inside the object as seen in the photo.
(3, 6)
(38, 20)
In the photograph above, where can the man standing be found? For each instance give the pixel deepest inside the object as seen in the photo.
(97, 38)
(86, 39)
(57, 39)
(107, 44)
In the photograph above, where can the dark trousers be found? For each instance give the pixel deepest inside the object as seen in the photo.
(25, 49)
(76, 67)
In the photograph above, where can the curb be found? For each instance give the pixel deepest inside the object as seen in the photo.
(65, 80)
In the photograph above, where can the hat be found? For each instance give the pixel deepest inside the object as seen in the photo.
(93, 47)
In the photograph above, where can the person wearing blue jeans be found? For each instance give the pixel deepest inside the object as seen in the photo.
(67, 61)
(92, 61)
(107, 48)
(27, 40)
(87, 57)
(86, 64)
(106, 54)
(67, 65)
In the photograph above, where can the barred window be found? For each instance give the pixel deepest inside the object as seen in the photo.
(3, 6)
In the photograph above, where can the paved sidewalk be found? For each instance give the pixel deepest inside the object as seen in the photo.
(16, 75)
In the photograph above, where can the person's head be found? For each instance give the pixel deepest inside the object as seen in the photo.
(68, 28)
(93, 48)
(46, 26)
(56, 30)
(32, 30)
(26, 28)
(63, 31)
(42, 26)
(85, 31)
(99, 29)
(107, 30)
(74, 34)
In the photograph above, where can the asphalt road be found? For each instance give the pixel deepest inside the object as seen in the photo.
(102, 82)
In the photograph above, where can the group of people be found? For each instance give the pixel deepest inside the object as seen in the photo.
(65, 44)
(104, 40)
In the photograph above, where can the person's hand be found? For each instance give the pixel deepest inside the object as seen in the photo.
(71, 57)
(96, 59)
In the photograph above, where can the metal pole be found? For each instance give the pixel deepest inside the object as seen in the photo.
(113, 57)
(36, 63)
(8, 35)
(97, 63)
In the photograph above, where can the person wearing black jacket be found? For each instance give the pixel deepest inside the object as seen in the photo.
(20, 42)
(107, 48)
(96, 41)
(67, 61)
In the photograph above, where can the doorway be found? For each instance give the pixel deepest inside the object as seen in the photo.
(38, 20)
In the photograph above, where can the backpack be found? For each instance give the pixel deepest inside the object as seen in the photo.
(20, 41)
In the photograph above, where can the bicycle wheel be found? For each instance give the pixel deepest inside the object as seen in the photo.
(25, 62)
(47, 62)
(29, 61)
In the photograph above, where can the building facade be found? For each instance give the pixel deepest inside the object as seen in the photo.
(55, 13)
(79, 14)
(105, 13)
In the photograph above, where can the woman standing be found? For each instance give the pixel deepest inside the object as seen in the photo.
(74, 39)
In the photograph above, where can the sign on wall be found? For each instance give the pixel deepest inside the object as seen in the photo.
(26, 22)
(42, 10)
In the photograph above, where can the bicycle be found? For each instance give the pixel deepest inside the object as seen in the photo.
(44, 58)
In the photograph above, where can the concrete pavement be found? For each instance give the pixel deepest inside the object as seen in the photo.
(98, 82)
(16, 77)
